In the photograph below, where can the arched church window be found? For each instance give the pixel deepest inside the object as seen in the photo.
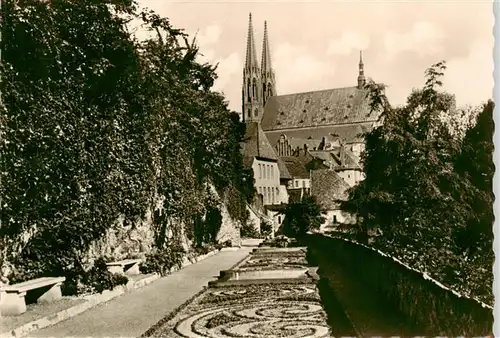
(248, 91)
(269, 90)
(256, 113)
(264, 92)
(249, 113)
(254, 89)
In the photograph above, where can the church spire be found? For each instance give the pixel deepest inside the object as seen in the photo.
(361, 76)
(268, 81)
(266, 52)
(252, 99)
(251, 57)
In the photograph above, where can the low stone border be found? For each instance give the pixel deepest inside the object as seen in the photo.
(92, 301)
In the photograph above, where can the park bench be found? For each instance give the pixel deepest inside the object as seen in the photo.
(127, 266)
(46, 290)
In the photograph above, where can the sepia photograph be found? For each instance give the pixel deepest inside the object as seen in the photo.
(220, 169)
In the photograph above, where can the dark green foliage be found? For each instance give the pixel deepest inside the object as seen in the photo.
(302, 217)
(96, 124)
(99, 278)
(162, 261)
(213, 222)
(248, 230)
(266, 228)
(428, 189)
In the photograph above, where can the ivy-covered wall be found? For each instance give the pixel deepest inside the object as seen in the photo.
(433, 308)
(109, 144)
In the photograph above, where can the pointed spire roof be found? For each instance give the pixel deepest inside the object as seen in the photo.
(361, 65)
(266, 52)
(361, 75)
(251, 56)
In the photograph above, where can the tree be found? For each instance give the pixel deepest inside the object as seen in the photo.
(426, 187)
(301, 217)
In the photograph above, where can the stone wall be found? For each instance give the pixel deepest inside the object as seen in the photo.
(230, 228)
(127, 240)
(429, 305)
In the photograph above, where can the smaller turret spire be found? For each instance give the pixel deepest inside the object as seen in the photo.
(361, 75)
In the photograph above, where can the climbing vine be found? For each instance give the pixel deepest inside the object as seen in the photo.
(96, 124)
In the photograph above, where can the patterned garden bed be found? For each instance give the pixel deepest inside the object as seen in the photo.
(271, 262)
(290, 308)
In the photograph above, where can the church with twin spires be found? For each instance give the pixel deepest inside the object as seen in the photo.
(286, 133)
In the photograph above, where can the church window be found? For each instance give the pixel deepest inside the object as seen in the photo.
(264, 169)
(303, 184)
(254, 90)
(277, 191)
(334, 219)
(249, 113)
(264, 92)
(269, 90)
(279, 219)
(248, 91)
(260, 170)
(268, 171)
(272, 196)
(256, 112)
(296, 184)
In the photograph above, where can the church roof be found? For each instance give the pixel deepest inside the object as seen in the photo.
(350, 133)
(296, 165)
(328, 188)
(255, 144)
(318, 108)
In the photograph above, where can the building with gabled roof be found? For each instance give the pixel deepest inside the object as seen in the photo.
(325, 125)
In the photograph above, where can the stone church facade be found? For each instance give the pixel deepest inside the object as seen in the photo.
(292, 130)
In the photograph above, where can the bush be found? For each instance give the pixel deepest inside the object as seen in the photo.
(248, 230)
(162, 261)
(99, 278)
(266, 229)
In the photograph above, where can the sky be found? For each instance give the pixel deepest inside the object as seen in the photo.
(315, 44)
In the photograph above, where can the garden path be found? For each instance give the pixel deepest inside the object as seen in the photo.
(131, 314)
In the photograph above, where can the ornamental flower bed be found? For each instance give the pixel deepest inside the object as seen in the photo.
(264, 262)
(256, 308)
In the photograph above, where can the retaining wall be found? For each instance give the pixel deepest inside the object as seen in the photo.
(427, 303)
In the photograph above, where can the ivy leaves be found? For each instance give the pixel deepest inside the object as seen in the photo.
(98, 124)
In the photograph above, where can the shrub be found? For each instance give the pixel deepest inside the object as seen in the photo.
(163, 260)
(99, 278)
(248, 230)
(266, 228)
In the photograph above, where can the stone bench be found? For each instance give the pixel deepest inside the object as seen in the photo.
(127, 266)
(12, 297)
